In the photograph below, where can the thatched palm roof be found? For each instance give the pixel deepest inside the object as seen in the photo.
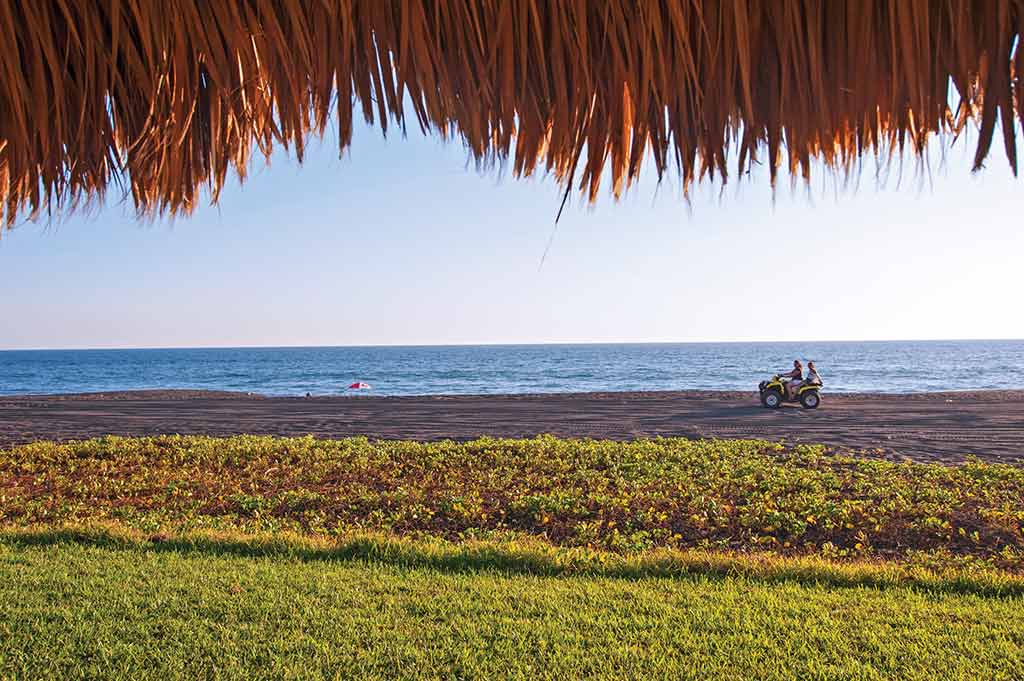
(166, 97)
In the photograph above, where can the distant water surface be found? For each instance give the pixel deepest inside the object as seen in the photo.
(894, 366)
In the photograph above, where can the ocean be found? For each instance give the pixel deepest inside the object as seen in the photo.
(885, 366)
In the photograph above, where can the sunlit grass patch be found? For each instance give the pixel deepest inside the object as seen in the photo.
(532, 556)
(112, 604)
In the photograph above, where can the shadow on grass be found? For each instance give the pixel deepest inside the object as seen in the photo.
(534, 558)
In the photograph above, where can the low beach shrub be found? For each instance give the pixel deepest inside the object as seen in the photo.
(722, 495)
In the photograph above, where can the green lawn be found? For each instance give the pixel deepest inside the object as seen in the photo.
(77, 609)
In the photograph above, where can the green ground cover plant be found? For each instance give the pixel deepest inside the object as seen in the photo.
(721, 495)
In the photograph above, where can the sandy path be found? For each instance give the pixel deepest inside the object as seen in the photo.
(931, 427)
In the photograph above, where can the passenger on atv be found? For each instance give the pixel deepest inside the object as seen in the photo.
(812, 375)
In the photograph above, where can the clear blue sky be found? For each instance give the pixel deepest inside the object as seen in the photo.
(400, 242)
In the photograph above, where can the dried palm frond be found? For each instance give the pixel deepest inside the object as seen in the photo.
(165, 98)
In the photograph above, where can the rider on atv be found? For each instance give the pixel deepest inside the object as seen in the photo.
(794, 378)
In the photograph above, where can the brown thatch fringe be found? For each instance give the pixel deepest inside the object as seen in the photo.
(166, 96)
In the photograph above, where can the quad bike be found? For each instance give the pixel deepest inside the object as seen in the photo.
(773, 394)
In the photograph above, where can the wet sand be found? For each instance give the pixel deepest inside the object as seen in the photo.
(943, 427)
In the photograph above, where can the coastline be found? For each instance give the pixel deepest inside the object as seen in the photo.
(191, 394)
(946, 427)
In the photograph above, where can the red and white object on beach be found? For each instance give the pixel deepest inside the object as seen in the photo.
(359, 385)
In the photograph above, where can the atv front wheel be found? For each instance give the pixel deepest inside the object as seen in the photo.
(810, 399)
(772, 399)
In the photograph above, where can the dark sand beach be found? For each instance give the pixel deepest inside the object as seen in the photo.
(945, 427)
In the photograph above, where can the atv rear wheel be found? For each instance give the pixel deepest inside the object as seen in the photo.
(772, 399)
(810, 399)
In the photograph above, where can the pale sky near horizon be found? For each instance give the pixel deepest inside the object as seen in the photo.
(400, 242)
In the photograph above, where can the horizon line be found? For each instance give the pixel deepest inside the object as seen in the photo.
(505, 344)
